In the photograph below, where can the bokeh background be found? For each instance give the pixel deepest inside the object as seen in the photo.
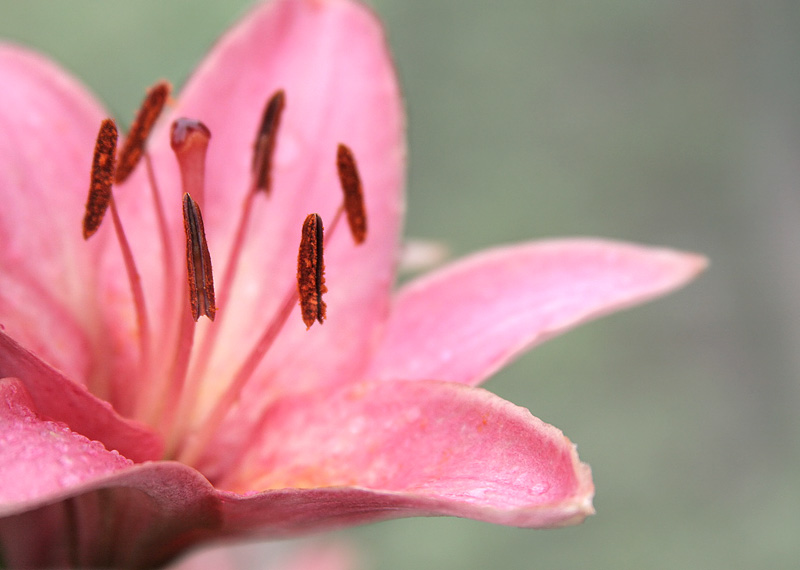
(672, 122)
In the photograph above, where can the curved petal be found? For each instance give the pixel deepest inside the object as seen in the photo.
(57, 398)
(430, 447)
(140, 517)
(49, 124)
(42, 458)
(66, 501)
(464, 322)
(412, 448)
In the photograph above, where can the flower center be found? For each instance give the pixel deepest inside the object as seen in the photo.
(171, 373)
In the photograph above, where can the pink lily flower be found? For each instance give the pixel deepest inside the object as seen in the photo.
(130, 432)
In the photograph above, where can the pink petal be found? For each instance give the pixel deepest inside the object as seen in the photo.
(332, 61)
(56, 397)
(42, 458)
(385, 450)
(49, 124)
(266, 556)
(138, 517)
(319, 557)
(464, 322)
(429, 447)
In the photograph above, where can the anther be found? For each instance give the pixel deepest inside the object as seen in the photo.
(353, 195)
(148, 114)
(101, 179)
(198, 262)
(311, 271)
(264, 146)
(189, 139)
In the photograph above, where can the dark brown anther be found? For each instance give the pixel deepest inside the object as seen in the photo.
(198, 262)
(264, 147)
(102, 178)
(148, 114)
(311, 271)
(353, 195)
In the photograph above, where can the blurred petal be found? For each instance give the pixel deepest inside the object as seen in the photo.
(423, 447)
(142, 516)
(273, 556)
(49, 124)
(56, 397)
(321, 557)
(463, 323)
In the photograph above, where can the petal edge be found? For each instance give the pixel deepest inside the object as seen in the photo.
(464, 322)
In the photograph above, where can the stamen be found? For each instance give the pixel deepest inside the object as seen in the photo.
(264, 146)
(100, 198)
(189, 139)
(311, 271)
(353, 195)
(198, 262)
(148, 114)
(101, 178)
(311, 286)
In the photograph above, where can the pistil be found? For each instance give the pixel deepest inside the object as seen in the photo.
(261, 181)
(189, 139)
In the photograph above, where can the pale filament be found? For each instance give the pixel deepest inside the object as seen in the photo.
(135, 280)
(195, 444)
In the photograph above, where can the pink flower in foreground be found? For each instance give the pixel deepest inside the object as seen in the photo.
(130, 433)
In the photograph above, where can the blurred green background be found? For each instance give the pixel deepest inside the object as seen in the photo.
(671, 122)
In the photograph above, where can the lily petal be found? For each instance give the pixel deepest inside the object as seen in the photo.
(41, 458)
(49, 125)
(380, 451)
(466, 321)
(431, 447)
(60, 399)
(138, 517)
(332, 60)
